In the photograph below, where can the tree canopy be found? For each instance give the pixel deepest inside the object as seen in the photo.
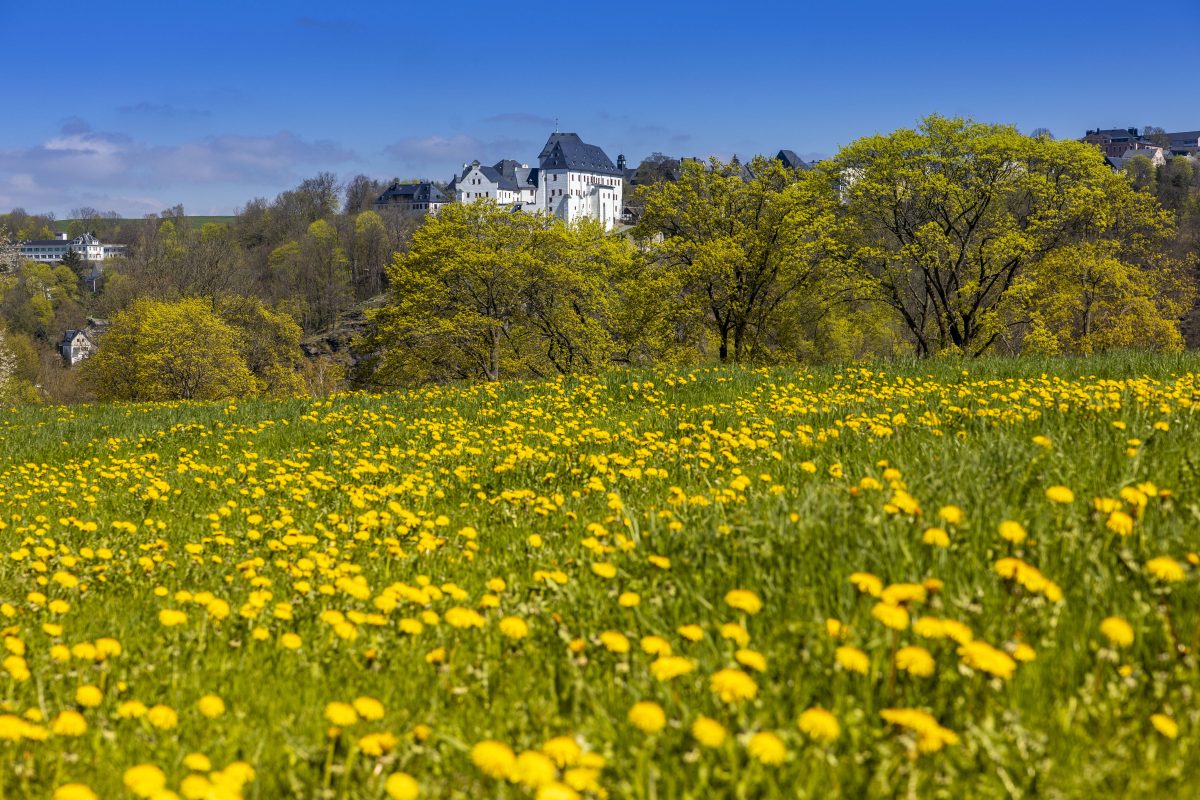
(946, 219)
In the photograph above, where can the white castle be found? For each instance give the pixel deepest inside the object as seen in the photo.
(572, 180)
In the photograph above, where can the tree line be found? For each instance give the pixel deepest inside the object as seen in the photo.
(954, 237)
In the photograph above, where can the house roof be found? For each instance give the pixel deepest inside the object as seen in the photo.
(423, 192)
(791, 160)
(568, 151)
(1116, 133)
(1183, 138)
(85, 239)
(521, 176)
(70, 334)
(554, 139)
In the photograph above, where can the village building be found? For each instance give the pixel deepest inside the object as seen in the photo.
(52, 251)
(413, 198)
(76, 345)
(578, 180)
(573, 180)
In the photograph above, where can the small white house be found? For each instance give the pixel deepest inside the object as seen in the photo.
(76, 345)
(1155, 154)
(507, 182)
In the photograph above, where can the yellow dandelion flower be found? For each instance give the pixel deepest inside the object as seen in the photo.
(767, 748)
(514, 628)
(614, 642)
(69, 723)
(936, 537)
(1165, 725)
(819, 725)
(1012, 531)
(1060, 495)
(743, 600)
(890, 616)
(89, 696)
(867, 583)
(342, 715)
(144, 780)
(211, 706)
(915, 661)
(1165, 569)
(666, 668)
(402, 786)
(982, 656)
(1118, 631)
(494, 759)
(752, 659)
(708, 732)
(648, 716)
(733, 686)
(74, 791)
(369, 708)
(852, 659)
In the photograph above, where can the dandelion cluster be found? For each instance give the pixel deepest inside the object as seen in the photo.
(721, 582)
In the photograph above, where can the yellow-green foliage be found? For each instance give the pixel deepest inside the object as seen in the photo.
(974, 234)
(937, 581)
(159, 350)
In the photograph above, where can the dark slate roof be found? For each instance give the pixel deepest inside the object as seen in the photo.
(1116, 133)
(497, 177)
(85, 239)
(568, 151)
(791, 160)
(554, 139)
(423, 192)
(1180, 138)
(521, 176)
(70, 334)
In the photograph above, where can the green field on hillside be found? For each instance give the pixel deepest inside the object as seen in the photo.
(937, 579)
(193, 221)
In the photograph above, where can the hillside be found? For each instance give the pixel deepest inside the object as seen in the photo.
(63, 225)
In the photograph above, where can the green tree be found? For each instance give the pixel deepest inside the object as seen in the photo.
(325, 274)
(744, 242)
(169, 350)
(947, 217)
(73, 261)
(371, 253)
(1142, 174)
(269, 342)
(487, 293)
(1089, 299)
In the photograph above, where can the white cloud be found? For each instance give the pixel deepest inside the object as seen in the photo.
(79, 163)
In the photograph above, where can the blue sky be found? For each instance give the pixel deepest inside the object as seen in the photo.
(135, 106)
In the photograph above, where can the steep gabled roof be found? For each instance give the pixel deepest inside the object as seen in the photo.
(568, 151)
(521, 176)
(554, 139)
(791, 160)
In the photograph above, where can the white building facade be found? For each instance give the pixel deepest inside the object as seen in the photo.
(573, 180)
(53, 251)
